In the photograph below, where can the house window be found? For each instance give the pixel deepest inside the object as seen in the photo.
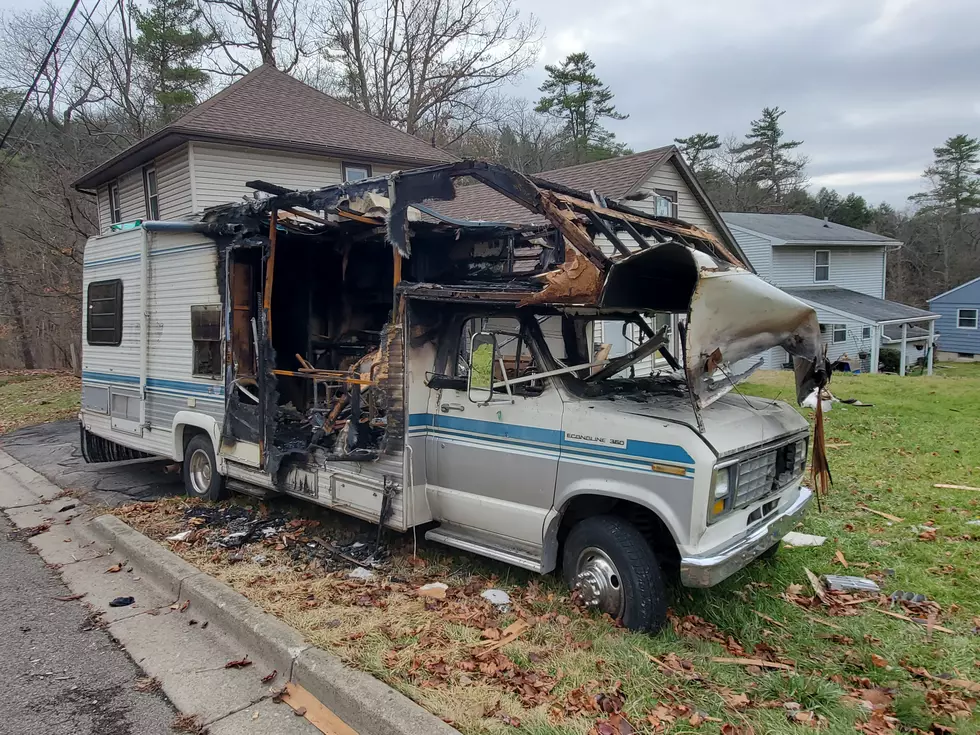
(115, 209)
(206, 334)
(966, 318)
(150, 192)
(866, 333)
(666, 203)
(840, 333)
(821, 265)
(356, 171)
(104, 324)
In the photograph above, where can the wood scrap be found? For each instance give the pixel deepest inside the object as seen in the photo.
(837, 445)
(752, 662)
(815, 619)
(889, 516)
(507, 635)
(956, 487)
(69, 598)
(316, 713)
(899, 616)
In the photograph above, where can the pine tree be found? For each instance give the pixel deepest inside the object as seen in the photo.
(169, 43)
(574, 94)
(954, 176)
(768, 156)
(697, 150)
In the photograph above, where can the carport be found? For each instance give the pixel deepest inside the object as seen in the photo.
(890, 322)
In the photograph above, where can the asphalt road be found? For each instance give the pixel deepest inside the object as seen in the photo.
(61, 673)
(52, 450)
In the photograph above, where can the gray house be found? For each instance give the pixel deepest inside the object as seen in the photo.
(959, 309)
(840, 272)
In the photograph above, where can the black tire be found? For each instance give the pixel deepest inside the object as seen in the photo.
(200, 480)
(644, 597)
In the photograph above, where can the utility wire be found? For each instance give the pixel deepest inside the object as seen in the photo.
(40, 71)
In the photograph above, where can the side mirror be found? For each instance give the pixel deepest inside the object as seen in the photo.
(483, 355)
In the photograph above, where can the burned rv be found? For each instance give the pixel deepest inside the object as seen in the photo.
(353, 347)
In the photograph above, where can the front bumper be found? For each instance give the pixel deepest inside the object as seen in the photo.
(719, 564)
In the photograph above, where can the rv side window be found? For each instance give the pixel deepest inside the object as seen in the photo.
(206, 334)
(104, 326)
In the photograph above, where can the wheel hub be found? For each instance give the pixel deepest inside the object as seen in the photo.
(598, 582)
(200, 472)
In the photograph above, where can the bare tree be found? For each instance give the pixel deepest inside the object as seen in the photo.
(248, 33)
(427, 64)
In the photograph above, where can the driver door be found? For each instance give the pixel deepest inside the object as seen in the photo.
(494, 465)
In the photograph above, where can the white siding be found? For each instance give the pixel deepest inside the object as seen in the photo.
(859, 269)
(757, 249)
(174, 184)
(102, 197)
(131, 199)
(220, 172)
(688, 207)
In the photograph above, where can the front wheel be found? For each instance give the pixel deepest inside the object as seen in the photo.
(201, 478)
(610, 564)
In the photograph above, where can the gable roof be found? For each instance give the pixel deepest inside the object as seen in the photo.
(955, 288)
(800, 229)
(613, 178)
(268, 108)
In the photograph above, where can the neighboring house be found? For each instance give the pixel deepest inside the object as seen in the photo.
(265, 126)
(959, 321)
(840, 272)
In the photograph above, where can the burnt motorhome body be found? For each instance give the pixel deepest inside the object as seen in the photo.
(337, 336)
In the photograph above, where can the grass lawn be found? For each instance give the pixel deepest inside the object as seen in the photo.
(840, 668)
(36, 397)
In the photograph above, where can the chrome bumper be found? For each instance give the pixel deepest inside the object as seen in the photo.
(719, 564)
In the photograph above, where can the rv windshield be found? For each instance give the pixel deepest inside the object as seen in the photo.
(629, 352)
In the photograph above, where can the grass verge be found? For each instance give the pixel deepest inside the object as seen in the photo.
(841, 668)
(36, 397)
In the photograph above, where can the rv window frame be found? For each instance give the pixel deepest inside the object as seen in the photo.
(116, 339)
(151, 201)
(218, 370)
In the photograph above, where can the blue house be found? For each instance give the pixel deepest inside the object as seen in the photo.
(959, 309)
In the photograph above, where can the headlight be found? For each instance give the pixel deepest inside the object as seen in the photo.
(721, 491)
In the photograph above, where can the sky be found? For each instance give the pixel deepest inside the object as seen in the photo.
(870, 86)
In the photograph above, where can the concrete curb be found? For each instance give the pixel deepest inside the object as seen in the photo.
(369, 706)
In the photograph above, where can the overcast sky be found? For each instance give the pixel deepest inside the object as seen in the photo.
(870, 86)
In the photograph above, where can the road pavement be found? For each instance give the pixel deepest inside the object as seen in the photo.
(62, 673)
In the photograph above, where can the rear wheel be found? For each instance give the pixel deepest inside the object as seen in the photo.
(201, 478)
(612, 567)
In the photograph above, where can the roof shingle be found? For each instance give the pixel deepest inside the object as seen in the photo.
(800, 228)
(859, 304)
(269, 108)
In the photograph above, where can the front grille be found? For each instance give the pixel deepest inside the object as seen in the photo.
(756, 478)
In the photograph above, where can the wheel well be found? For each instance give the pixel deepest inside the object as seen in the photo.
(188, 432)
(652, 527)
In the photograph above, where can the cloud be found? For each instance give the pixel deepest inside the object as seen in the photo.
(871, 87)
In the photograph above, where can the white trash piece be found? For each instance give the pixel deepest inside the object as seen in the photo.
(803, 539)
(182, 536)
(360, 573)
(498, 597)
(811, 401)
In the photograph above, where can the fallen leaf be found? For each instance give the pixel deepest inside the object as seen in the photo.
(929, 535)
(816, 584)
(239, 664)
(69, 598)
(269, 677)
(114, 568)
(839, 555)
(187, 604)
(878, 661)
